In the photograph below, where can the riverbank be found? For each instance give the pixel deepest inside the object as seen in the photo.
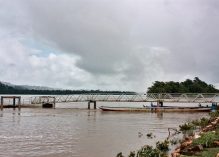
(204, 142)
(197, 138)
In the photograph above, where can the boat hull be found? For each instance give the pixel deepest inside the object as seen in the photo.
(156, 109)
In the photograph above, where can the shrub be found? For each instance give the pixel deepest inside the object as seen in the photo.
(206, 139)
(187, 126)
(174, 141)
(196, 122)
(163, 146)
(132, 154)
(149, 151)
(214, 114)
(119, 155)
(202, 122)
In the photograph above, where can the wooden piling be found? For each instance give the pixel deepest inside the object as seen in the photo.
(160, 103)
(1, 103)
(95, 106)
(89, 105)
(19, 104)
(14, 100)
(54, 103)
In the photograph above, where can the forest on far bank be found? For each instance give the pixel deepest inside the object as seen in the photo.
(7, 89)
(188, 86)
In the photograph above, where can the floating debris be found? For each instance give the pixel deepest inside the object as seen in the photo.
(149, 135)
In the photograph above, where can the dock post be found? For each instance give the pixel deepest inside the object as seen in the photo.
(14, 103)
(161, 103)
(95, 105)
(19, 103)
(54, 103)
(1, 103)
(89, 105)
(158, 105)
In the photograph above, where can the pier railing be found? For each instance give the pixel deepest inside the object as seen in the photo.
(149, 97)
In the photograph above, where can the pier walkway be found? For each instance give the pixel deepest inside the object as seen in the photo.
(149, 97)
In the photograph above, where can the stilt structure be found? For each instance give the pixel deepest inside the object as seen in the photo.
(94, 102)
(48, 101)
(14, 98)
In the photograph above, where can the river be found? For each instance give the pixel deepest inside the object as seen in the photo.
(68, 131)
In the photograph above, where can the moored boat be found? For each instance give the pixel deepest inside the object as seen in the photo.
(157, 109)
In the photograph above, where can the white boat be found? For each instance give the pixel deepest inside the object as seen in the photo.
(157, 109)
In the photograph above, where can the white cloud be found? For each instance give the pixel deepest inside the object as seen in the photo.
(19, 65)
(108, 44)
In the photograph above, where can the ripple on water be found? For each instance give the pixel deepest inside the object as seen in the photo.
(74, 133)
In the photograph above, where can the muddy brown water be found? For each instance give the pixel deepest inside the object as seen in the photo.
(71, 130)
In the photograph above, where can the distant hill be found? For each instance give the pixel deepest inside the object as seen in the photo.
(188, 86)
(8, 88)
(28, 87)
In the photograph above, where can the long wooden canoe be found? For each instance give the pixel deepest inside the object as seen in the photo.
(157, 109)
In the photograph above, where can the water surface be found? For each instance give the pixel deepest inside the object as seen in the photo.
(72, 132)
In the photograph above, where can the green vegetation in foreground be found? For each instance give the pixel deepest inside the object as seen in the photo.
(199, 123)
(6, 89)
(207, 152)
(148, 151)
(188, 86)
(206, 140)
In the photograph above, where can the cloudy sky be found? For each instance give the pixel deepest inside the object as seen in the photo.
(108, 44)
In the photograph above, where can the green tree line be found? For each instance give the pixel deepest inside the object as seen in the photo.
(6, 89)
(188, 86)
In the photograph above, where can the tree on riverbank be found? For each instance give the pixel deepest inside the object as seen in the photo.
(188, 86)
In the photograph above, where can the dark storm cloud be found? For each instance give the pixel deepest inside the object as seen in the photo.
(90, 29)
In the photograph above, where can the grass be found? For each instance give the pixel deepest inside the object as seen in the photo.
(163, 146)
(206, 139)
(214, 114)
(148, 151)
(187, 126)
(207, 152)
(203, 122)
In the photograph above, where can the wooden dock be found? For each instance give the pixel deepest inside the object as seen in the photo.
(14, 98)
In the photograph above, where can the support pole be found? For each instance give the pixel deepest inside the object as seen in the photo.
(158, 105)
(161, 103)
(54, 103)
(1, 103)
(95, 105)
(14, 100)
(89, 105)
(19, 103)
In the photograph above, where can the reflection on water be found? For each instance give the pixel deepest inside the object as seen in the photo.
(81, 132)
